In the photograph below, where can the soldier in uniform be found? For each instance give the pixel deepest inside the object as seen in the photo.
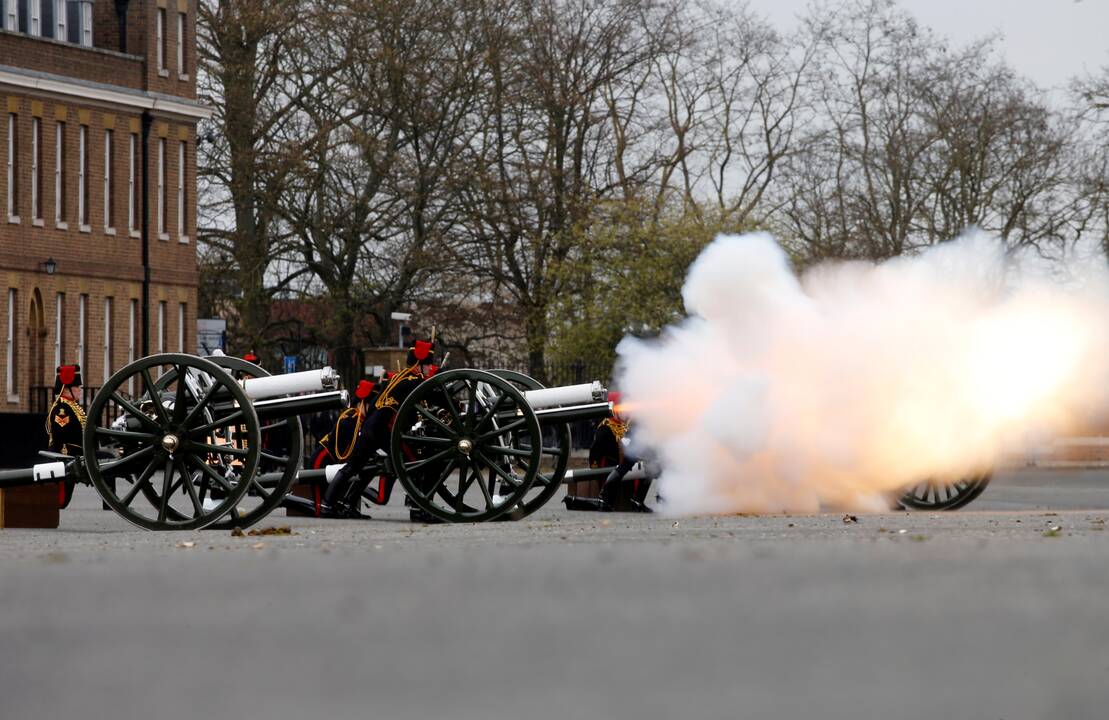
(373, 428)
(65, 422)
(608, 450)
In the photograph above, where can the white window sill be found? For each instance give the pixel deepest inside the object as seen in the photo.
(163, 236)
(109, 231)
(62, 225)
(183, 76)
(183, 239)
(135, 234)
(85, 228)
(13, 219)
(163, 72)
(38, 222)
(13, 398)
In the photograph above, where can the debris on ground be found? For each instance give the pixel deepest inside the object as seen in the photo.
(186, 544)
(848, 519)
(237, 532)
(257, 546)
(1054, 531)
(275, 530)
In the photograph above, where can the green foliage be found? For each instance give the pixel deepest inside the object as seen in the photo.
(627, 278)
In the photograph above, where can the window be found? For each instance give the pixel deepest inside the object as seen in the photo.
(160, 39)
(181, 69)
(60, 16)
(59, 329)
(13, 351)
(132, 186)
(109, 177)
(13, 167)
(11, 19)
(133, 315)
(107, 339)
(36, 170)
(59, 175)
(182, 313)
(36, 17)
(82, 320)
(86, 24)
(83, 177)
(182, 229)
(162, 189)
(162, 326)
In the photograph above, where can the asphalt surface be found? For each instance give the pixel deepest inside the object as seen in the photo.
(995, 612)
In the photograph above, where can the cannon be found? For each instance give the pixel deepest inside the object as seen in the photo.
(179, 442)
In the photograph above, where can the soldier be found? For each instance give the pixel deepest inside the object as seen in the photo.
(373, 428)
(608, 450)
(65, 423)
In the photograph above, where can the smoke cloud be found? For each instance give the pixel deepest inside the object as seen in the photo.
(840, 387)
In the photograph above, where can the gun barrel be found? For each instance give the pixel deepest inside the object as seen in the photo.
(309, 381)
(301, 404)
(574, 413)
(567, 395)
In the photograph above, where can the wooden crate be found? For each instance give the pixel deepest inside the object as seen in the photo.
(34, 506)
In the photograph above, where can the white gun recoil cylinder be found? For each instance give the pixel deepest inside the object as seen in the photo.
(567, 395)
(309, 381)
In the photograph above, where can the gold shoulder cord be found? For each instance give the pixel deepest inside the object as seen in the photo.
(619, 429)
(385, 400)
(353, 439)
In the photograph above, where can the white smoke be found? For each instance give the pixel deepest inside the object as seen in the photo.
(842, 386)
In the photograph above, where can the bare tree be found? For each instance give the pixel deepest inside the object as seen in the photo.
(246, 49)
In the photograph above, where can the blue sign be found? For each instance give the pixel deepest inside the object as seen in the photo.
(290, 363)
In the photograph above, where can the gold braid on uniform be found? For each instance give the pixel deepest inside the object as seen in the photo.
(619, 430)
(386, 399)
(76, 409)
(353, 438)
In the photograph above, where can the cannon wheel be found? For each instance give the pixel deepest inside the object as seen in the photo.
(262, 496)
(932, 495)
(556, 449)
(460, 435)
(170, 450)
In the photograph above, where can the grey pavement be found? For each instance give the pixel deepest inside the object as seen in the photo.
(988, 612)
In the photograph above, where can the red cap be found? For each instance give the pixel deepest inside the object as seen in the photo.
(67, 374)
(365, 387)
(422, 349)
(250, 357)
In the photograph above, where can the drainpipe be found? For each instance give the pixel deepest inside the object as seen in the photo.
(147, 121)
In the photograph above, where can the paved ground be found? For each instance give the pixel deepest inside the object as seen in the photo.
(984, 613)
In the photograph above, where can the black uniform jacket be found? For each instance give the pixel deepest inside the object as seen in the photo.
(607, 450)
(65, 424)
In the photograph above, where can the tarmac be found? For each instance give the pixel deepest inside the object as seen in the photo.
(994, 612)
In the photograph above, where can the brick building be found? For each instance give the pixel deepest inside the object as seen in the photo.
(98, 117)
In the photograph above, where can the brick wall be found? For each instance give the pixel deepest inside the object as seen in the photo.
(172, 79)
(62, 58)
(91, 260)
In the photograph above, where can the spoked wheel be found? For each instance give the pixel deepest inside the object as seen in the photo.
(466, 446)
(934, 495)
(553, 460)
(181, 446)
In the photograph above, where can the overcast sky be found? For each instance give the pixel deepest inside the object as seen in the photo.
(1050, 41)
